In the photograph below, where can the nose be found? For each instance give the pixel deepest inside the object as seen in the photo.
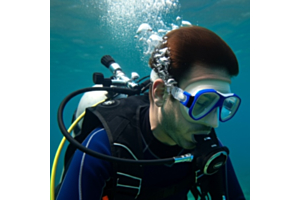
(212, 119)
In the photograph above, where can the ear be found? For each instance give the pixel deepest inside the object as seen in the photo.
(158, 90)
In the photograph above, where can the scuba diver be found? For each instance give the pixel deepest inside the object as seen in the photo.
(162, 143)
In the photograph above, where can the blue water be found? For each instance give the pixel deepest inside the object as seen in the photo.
(83, 31)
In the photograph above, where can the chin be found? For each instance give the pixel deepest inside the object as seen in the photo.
(188, 145)
(190, 148)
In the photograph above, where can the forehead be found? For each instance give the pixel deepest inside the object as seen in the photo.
(199, 73)
(219, 85)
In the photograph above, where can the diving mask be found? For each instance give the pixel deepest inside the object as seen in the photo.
(204, 101)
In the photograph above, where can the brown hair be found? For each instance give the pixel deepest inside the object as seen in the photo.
(190, 45)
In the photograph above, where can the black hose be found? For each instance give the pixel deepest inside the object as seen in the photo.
(143, 79)
(94, 153)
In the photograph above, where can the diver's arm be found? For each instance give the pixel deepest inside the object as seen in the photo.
(86, 175)
(216, 183)
(234, 189)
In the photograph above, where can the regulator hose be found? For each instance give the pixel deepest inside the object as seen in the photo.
(182, 158)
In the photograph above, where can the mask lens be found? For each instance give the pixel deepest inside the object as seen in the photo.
(204, 104)
(229, 107)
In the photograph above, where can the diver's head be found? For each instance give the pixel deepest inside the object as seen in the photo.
(188, 46)
(188, 61)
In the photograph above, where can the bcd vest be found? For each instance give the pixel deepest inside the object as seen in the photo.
(120, 119)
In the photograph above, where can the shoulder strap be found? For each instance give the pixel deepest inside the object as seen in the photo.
(120, 119)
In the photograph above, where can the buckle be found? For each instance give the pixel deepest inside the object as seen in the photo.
(198, 174)
(129, 184)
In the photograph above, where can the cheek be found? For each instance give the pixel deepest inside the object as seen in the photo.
(172, 115)
(168, 113)
(184, 113)
(175, 109)
(183, 123)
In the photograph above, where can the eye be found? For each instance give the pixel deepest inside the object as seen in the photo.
(199, 107)
(230, 103)
(205, 102)
(229, 108)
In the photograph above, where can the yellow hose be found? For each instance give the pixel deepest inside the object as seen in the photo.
(58, 151)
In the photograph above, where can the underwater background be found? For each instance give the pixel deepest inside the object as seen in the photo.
(82, 31)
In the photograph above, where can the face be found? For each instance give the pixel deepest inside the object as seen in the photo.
(176, 122)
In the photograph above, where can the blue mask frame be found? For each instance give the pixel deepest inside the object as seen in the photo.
(189, 101)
